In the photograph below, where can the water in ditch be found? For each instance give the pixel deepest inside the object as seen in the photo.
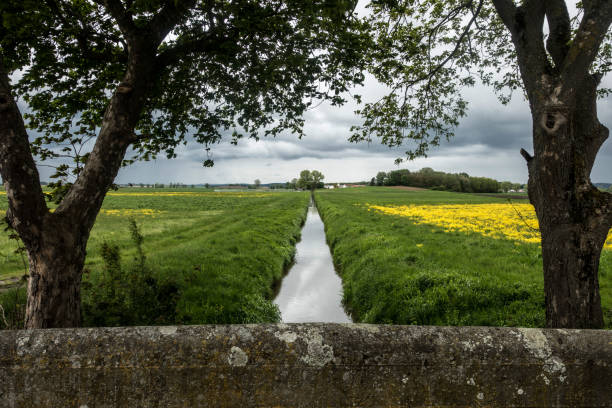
(312, 291)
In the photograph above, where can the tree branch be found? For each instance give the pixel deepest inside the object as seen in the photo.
(507, 12)
(119, 13)
(560, 30)
(169, 16)
(586, 43)
(464, 34)
(525, 25)
(208, 43)
(526, 155)
(26, 201)
(84, 33)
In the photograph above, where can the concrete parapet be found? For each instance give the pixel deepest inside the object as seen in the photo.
(305, 365)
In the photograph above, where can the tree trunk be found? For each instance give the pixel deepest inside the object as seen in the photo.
(571, 261)
(56, 242)
(55, 278)
(574, 216)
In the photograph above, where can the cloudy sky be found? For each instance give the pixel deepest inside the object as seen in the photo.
(487, 143)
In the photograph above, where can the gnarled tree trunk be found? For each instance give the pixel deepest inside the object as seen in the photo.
(56, 242)
(56, 264)
(573, 214)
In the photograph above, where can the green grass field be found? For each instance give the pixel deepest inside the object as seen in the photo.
(223, 251)
(215, 257)
(397, 271)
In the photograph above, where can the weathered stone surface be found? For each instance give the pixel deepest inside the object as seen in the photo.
(305, 365)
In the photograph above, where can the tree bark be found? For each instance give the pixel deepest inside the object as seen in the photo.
(56, 261)
(56, 242)
(574, 216)
(54, 298)
(55, 246)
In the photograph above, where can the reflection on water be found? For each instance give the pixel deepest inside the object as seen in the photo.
(311, 291)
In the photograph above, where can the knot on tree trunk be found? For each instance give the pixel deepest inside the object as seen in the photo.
(552, 121)
(124, 88)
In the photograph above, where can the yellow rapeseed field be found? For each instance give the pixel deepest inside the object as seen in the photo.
(128, 212)
(516, 222)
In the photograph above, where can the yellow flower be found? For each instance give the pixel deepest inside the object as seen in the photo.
(131, 212)
(517, 222)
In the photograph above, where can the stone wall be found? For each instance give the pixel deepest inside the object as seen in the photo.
(305, 365)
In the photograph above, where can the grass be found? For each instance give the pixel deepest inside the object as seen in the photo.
(395, 270)
(224, 251)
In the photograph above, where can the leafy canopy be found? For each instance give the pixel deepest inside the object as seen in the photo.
(426, 52)
(243, 68)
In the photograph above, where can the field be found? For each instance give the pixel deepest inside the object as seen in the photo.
(215, 256)
(405, 256)
(429, 257)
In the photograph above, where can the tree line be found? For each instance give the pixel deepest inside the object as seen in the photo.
(439, 180)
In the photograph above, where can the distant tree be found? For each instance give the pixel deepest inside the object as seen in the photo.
(305, 180)
(380, 178)
(505, 186)
(310, 180)
(206, 185)
(317, 179)
(257, 183)
(373, 181)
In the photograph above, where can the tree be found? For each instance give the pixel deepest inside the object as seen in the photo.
(109, 72)
(257, 183)
(505, 186)
(309, 180)
(317, 179)
(428, 50)
(380, 178)
(305, 180)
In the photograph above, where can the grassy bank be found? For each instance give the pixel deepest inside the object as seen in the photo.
(406, 257)
(213, 257)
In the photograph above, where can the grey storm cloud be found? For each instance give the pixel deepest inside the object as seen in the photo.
(486, 143)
